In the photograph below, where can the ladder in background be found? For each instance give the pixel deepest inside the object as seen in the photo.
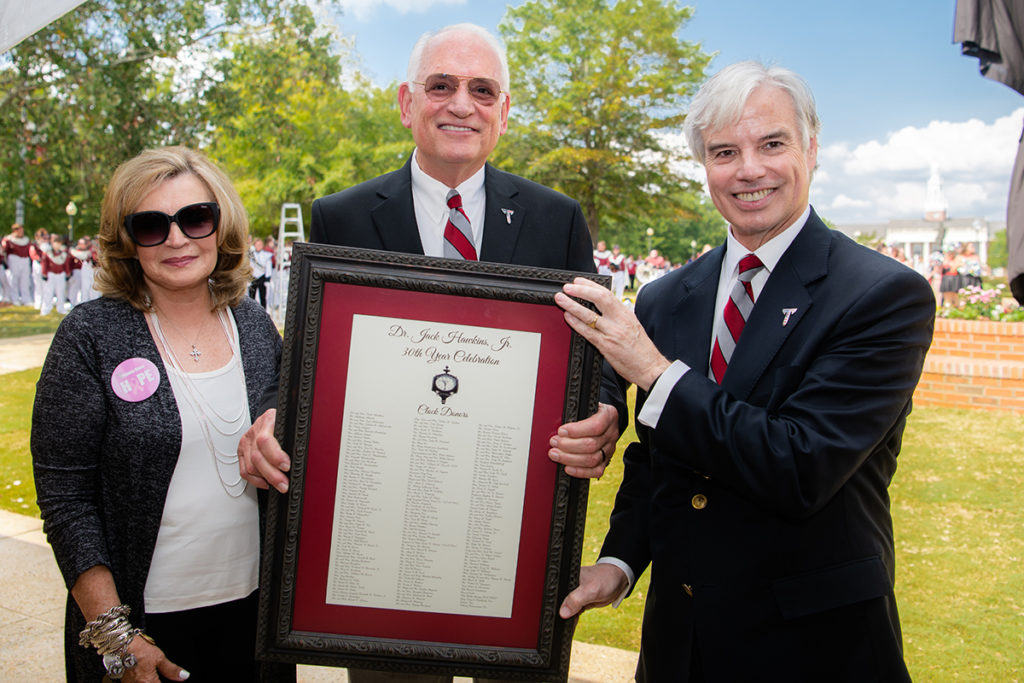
(290, 228)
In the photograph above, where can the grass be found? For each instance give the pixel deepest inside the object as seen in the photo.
(17, 487)
(958, 511)
(22, 321)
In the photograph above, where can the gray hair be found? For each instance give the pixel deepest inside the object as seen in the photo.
(413, 71)
(721, 99)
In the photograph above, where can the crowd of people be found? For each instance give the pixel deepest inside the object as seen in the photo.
(959, 267)
(627, 271)
(948, 271)
(45, 272)
(773, 381)
(267, 279)
(51, 276)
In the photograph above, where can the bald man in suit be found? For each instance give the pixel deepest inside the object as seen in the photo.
(456, 103)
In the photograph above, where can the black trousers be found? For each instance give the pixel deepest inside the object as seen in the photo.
(215, 643)
(258, 290)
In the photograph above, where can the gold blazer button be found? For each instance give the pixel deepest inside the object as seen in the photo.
(699, 502)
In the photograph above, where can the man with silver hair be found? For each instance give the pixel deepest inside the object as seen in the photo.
(774, 378)
(447, 201)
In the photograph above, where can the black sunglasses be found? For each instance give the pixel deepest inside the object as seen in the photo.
(150, 228)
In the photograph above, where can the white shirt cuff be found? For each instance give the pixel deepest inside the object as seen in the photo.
(659, 393)
(626, 570)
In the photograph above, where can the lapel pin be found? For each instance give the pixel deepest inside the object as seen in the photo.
(508, 215)
(786, 313)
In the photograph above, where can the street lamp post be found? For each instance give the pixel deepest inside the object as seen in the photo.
(71, 210)
(650, 236)
(693, 249)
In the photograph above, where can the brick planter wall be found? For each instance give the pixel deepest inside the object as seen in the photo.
(974, 364)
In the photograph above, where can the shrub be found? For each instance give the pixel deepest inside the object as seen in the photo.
(977, 303)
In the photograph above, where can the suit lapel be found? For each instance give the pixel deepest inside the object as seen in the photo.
(394, 217)
(782, 305)
(503, 217)
(696, 305)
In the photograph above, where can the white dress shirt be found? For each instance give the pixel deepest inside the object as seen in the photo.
(429, 200)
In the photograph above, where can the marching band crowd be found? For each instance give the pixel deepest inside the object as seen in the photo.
(46, 272)
(49, 275)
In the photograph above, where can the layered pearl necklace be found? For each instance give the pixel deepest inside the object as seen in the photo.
(228, 426)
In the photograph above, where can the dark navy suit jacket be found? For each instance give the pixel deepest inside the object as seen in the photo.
(762, 504)
(525, 224)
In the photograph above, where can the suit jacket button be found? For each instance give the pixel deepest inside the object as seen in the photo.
(688, 589)
(699, 502)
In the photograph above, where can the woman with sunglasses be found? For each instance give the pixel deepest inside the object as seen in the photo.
(153, 529)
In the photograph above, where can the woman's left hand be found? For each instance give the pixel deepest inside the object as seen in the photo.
(151, 663)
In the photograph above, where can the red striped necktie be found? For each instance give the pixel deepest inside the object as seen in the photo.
(458, 235)
(734, 317)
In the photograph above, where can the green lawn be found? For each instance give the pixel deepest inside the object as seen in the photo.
(21, 321)
(17, 490)
(958, 508)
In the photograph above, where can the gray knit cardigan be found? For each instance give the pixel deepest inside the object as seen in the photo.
(102, 465)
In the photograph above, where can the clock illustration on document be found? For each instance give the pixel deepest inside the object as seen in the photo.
(445, 384)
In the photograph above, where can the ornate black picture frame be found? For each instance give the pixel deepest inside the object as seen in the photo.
(329, 287)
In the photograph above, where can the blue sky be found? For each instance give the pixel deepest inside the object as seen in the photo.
(894, 93)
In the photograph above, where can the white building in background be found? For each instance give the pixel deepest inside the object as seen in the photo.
(919, 237)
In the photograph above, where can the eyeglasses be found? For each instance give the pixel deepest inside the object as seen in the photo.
(442, 87)
(150, 228)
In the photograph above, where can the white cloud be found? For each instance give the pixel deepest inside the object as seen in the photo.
(363, 10)
(880, 180)
(843, 202)
(964, 145)
(903, 200)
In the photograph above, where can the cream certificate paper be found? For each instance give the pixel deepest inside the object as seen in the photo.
(432, 466)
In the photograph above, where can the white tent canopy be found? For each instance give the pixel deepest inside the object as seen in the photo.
(19, 19)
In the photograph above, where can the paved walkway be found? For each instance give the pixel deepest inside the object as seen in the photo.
(22, 353)
(32, 593)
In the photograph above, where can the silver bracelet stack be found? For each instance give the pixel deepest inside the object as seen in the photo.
(111, 633)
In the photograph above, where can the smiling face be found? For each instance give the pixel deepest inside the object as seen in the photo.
(179, 263)
(759, 175)
(454, 137)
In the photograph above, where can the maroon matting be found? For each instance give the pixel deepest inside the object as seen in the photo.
(312, 613)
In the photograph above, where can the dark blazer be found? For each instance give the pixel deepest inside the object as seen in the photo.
(762, 504)
(544, 228)
(102, 465)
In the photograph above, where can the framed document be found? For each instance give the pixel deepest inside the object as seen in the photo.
(425, 530)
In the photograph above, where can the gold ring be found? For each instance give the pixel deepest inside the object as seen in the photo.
(593, 323)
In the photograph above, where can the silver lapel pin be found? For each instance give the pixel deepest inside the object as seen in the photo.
(508, 215)
(786, 313)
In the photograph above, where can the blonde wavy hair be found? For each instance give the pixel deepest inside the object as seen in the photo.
(120, 275)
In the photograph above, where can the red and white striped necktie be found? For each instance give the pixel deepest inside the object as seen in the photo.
(734, 317)
(458, 234)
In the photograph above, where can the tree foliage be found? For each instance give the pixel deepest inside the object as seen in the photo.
(998, 252)
(596, 88)
(677, 235)
(97, 86)
(278, 100)
(286, 129)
